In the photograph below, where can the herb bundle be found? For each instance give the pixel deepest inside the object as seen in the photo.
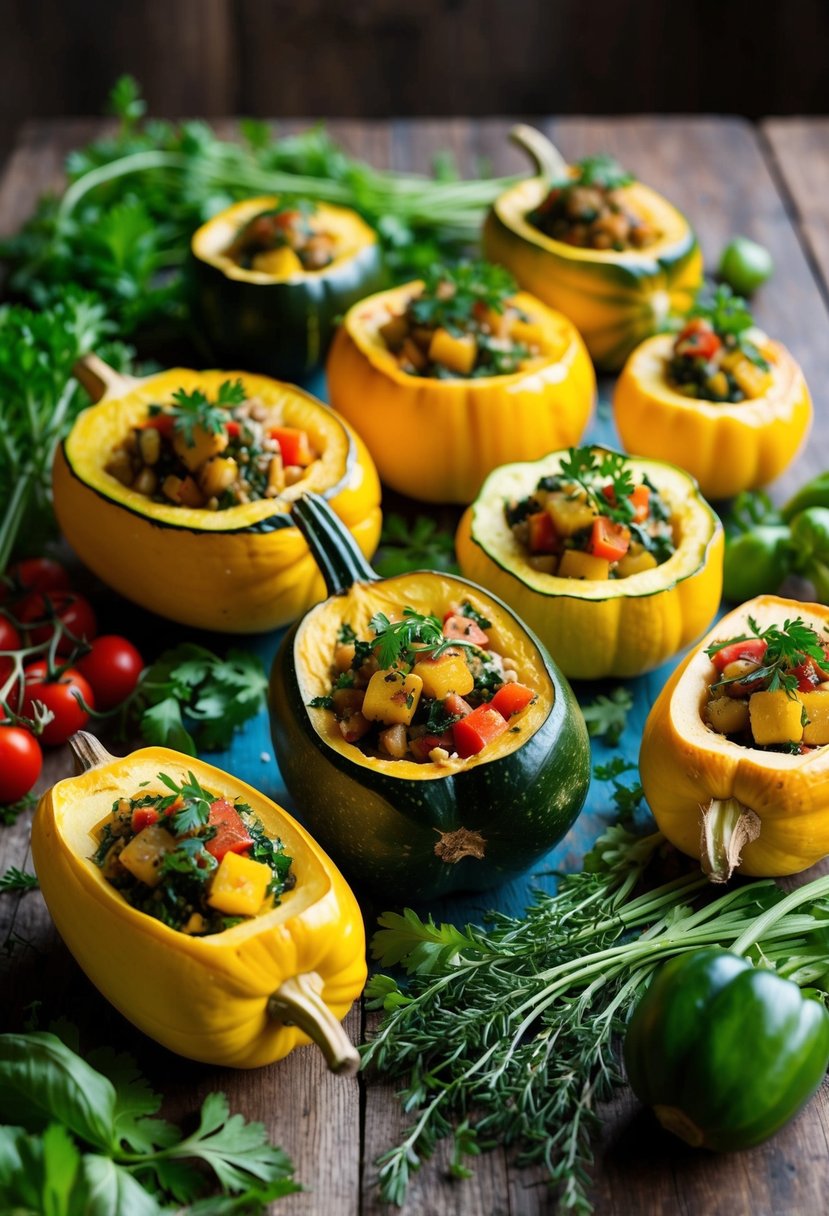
(786, 648)
(507, 1034)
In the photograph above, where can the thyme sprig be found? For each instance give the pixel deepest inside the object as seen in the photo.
(507, 1034)
(787, 646)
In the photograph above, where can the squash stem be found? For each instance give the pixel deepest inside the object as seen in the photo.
(89, 752)
(549, 163)
(99, 379)
(727, 827)
(332, 546)
(298, 1001)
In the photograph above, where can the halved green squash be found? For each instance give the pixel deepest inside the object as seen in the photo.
(406, 830)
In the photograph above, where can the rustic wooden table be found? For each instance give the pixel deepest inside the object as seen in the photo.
(769, 183)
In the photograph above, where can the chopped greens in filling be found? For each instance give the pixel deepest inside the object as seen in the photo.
(463, 325)
(423, 689)
(592, 520)
(588, 209)
(715, 357)
(212, 454)
(771, 688)
(283, 240)
(195, 861)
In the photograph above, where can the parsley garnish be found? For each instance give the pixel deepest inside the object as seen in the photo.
(326, 702)
(606, 717)
(603, 171)
(597, 469)
(730, 318)
(786, 648)
(451, 293)
(196, 810)
(193, 410)
(417, 544)
(397, 639)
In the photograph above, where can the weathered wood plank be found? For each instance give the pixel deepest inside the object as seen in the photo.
(799, 148)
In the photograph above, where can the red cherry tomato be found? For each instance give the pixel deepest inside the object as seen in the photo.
(231, 834)
(61, 697)
(751, 648)
(112, 667)
(20, 763)
(38, 610)
(37, 574)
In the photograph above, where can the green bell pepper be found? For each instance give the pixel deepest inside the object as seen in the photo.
(810, 548)
(814, 493)
(725, 1053)
(755, 562)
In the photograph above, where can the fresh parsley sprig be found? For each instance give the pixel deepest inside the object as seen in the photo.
(787, 647)
(601, 170)
(415, 633)
(451, 294)
(196, 802)
(730, 317)
(606, 479)
(606, 716)
(193, 410)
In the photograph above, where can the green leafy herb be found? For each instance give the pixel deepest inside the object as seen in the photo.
(83, 1136)
(18, 880)
(452, 293)
(606, 717)
(606, 479)
(192, 410)
(38, 351)
(397, 640)
(271, 851)
(627, 797)
(190, 688)
(196, 801)
(786, 647)
(508, 1035)
(730, 317)
(602, 170)
(419, 544)
(473, 614)
(326, 702)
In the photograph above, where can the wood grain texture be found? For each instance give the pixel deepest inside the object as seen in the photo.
(716, 171)
(799, 150)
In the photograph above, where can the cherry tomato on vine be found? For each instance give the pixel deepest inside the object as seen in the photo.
(39, 608)
(38, 574)
(20, 762)
(60, 696)
(112, 667)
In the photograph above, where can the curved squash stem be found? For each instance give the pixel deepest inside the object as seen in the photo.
(99, 379)
(298, 1001)
(727, 827)
(89, 752)
(550, 164)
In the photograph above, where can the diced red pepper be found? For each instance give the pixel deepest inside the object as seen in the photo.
(476, 730)
(640, 500)
(464, 629)
(698, 340)
(293, 444)
(456, 706)
(808, 675)
(423, 744)
(143, 817)
(231, 834)
(234, 429)
(752, 648)
(608, 539)
(163, 423)
(511, 699)
(542, 533)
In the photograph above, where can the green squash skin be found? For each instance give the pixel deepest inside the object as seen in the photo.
(736, 1049)
(382, 830)
(282, 329)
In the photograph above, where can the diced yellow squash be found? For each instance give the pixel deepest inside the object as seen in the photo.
(575, 564)
(448, 673)
(145, 853)
(219, 473)
(775, 717)
(816, 704)
(205, 445)
(751, 379)
(570, 514)
(281, 263)
(392, 697)
(635, 563)
(239, 885)
(544, 563)
(727, 715)
(527, 333)
(457, 352)
(718, 384)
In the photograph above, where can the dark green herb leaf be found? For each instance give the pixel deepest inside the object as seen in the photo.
(18, 880)
(606, 717)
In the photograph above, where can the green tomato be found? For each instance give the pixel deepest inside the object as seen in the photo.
(745, 265)
(756, 561)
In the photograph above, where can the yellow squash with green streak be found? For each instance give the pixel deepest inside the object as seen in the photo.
(601, 627)
(246, 569)
(727, 446)
(240, 998)
(615, 299)
(436, 440)
(764, 811)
